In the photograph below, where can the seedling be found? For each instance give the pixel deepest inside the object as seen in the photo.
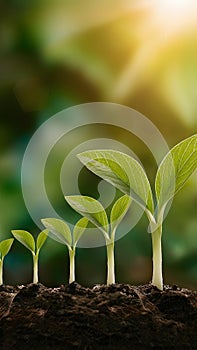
(5, 247)
(95, 213)
(61, 232)
(28, 241)
(125, 173)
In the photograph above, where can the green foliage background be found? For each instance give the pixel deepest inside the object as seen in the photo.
(56, 54)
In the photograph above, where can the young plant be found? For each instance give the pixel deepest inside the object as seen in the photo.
(93, 210)
(60, 231)
(4, 250)
(127, 175)
(28, 241)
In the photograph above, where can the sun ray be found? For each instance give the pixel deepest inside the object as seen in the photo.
(164, 22)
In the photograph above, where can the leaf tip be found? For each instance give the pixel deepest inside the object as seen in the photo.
(83, 157)
(14, 232)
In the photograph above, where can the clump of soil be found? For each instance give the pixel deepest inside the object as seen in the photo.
(119, 316)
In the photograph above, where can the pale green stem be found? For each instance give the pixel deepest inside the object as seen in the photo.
(157, 279)
(110, 263)
(72, 265)
(1, 271)
(35, 268)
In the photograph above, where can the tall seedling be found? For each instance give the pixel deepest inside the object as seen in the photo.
(95, 213)
(60, 232)
(28, 241)
(127, 175)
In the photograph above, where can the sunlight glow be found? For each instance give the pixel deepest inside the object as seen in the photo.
(174, 13)
(165, 22)
(173, 6)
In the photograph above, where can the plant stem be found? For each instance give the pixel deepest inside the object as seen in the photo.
(72, 265)
(35, 268)
(157, 279)
(1, 271)
(110, 263)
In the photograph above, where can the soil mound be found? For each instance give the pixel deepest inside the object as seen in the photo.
(112, 317)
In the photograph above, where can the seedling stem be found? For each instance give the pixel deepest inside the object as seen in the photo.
(110, 264)
(1, 271)
(35, 267)
(157, 279)
(72, 265)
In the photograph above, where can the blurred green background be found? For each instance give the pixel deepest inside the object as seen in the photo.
(56, 54)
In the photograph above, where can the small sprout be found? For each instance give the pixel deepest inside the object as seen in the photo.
(93, 210)
(60, 232)
(127, 175)
(5, 247)
(28, 241)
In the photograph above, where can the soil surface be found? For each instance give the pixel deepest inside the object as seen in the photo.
(119, 316)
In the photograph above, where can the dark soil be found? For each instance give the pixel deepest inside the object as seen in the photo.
(119, 317)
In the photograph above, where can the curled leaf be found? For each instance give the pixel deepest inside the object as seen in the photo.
(119, 210)
(25, 238)
(123, 172)
(5, 246)
(41, 239)
(175, 169)
(91, 209)
(79, 229)
(59, 230)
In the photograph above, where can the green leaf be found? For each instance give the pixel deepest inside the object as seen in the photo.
(119, 210)
(175, 169)
(41, 239)
(79, 230)
(59, 230)
(5, 246)
(122, 171)
(91, 209)
(25, 238)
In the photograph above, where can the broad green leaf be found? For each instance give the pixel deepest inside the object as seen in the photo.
(41, 239)
(25, 238)
(122, 171)
(175, 169)
(119, 210)
(91, 209)
(59, 230)
(79, 229)
(5, 246)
